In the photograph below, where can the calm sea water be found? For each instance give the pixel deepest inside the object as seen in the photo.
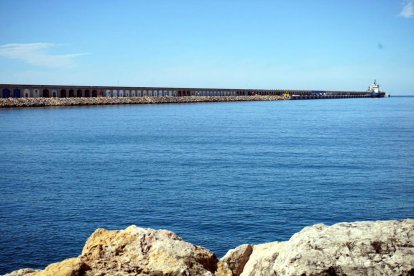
(218, 174)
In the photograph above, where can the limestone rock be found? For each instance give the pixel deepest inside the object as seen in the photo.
(68, 267)
(233, 262)
(262, 258)
(360, 248)
(134, 251)
(41, 102)
(21, 272)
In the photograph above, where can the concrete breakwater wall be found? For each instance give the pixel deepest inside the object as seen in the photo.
(76, 91)
(42, 102)
(357, 248)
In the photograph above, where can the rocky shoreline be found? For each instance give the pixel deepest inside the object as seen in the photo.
(358, 248)
(42, 102)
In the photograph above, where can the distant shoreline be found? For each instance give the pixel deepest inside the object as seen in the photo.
(44, 102)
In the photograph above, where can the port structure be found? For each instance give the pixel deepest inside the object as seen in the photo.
(76, 91)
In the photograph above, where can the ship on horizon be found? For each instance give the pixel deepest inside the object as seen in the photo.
(375, 88)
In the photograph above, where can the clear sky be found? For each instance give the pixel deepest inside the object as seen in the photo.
(318, 44)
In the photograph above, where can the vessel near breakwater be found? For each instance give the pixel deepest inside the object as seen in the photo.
(14, 94)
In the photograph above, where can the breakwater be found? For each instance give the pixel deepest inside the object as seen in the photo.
(358, 248)
(65, 91)
(41, 102)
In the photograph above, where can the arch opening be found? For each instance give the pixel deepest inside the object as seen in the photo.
(45, 93)
(16, 93)
(79, 93)
(94, 93)
(6, 93)
(36, 93)
(63, 93)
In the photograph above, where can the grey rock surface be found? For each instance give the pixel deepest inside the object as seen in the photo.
(359, 248)
(41, 102)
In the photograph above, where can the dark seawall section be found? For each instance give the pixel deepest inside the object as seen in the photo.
(41, 102)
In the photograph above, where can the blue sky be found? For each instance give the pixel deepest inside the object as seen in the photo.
(318, 44)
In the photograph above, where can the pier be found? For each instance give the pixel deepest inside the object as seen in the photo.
(66, 91)
(26, 95)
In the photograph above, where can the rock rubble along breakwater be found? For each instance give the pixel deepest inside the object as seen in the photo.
(41, 102)
(359, 248)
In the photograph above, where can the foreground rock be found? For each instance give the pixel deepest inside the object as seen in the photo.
(134, 251)
(360, 248)
(41, 102)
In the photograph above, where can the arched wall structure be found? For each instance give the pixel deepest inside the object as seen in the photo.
(63, 91)
(16, 93)
(36, 93)
(6, 93)
(45, 93)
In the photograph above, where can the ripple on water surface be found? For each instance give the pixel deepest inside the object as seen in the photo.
(217, 174)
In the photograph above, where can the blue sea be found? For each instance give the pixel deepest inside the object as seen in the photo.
(217, 174)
